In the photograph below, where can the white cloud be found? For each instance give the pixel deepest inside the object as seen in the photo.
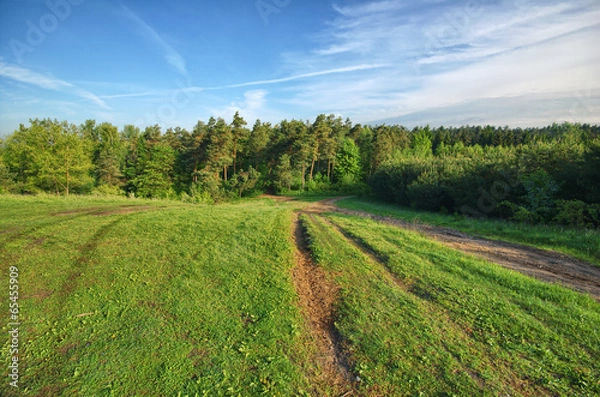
(361, 10)
(563, 65)
(447, 53)
(23, 75)
(255, 99)
(254, 106)
(497, 31)
(131, 95)
(532, 110)
(172, 57)
(30, 77)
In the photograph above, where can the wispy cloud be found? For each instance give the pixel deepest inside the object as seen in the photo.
(296, 77)
(496, 30)
(446, 53)
(39, 80)
(132, 95)
(172, 57)
(302, 76)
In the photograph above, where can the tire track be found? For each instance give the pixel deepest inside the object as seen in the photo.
(317, 298)
(544, 265)
(381, 261)
(85, 257)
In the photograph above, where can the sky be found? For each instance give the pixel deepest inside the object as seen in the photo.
(501, 62)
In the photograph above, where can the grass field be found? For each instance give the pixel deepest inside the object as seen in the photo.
(420, 318)
(130, 297)
(163, 300)
(582, 244)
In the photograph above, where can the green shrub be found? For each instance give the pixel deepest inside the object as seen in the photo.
(319, 184)
(576, 213)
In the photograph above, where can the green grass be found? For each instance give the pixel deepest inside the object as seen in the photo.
(426, 320)
(174, 299)
(126, 297)
(582, 244)
(309, 197)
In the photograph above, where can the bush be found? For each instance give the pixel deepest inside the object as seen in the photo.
(524, 215)
(107, 190)
(541, 191)
(429, 197)
(319, 184)
(243, 182)
(208, 189)
(524, 184)
(576, 213)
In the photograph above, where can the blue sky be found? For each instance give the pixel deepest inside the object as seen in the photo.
(502, 62)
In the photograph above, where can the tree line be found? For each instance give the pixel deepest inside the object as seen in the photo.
(214, 161)
(548, 174)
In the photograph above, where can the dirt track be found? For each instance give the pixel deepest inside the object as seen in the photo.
(543, 265)
(317, 297)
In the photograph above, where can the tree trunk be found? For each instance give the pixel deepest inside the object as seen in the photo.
(329, 169)
(303, 172)
(225, 173)
(333, 165)
(234, 161)
(312, 168)
(67, 175)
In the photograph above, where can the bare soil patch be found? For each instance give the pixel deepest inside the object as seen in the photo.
(39, 295)
(317, 296)
(11, 230)
(280, 199)
(99, 211)
(548, 266)
(78, 211)
(123, 210)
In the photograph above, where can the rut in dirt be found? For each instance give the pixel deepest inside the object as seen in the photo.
(382, 262)
(317, 296)
(544, 265)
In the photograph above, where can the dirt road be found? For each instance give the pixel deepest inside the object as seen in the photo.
(543, 265)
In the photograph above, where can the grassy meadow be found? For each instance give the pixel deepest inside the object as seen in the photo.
(123, 297)
(420, 319)
(162, 300)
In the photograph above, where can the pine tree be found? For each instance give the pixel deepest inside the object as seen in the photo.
(219, 150)
(239, 136)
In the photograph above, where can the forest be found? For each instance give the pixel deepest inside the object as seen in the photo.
(534, 175)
